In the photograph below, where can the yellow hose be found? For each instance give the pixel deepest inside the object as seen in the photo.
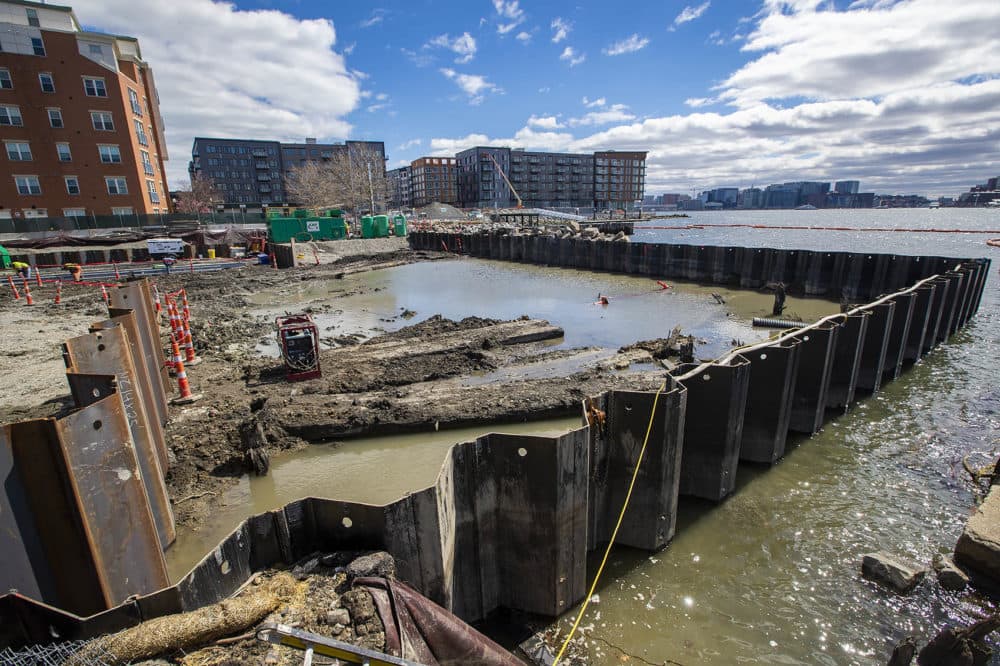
(614, 534)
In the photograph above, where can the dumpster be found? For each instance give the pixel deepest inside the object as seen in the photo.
(4, 257)
(399, 225)
(367, 227)
(381, 226)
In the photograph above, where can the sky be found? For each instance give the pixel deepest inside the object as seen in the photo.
(901, 95)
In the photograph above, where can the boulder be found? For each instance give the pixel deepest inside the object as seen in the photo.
(889, 571)
(379, 563)
(978, 549)
(949, 576)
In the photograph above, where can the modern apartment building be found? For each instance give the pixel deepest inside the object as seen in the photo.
(553, 180)
(550, 180)
(433, 179)
(619, 179)
(480, 184)
(79, 119)
(253, 172)
(244, 171)
(400, 195)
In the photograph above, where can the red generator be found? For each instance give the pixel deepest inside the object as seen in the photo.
(298, 339)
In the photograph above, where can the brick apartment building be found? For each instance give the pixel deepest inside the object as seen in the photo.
(433, 179)
(79, 119)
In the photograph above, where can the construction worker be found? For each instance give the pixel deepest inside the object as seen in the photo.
(168, 261)
(75, 270)
(23, 269)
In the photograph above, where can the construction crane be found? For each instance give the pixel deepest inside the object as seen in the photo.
(520, 204)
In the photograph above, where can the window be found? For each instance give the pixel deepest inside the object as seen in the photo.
(126, 210)
(133, 99)
(94, 87)
(11, 115)
(5, 81)
(102, 120)
(116, 185)
(37, 46)
(18, 152)
(110, 154)
(95, 49)
(28, 185)
(140, 134)
(154, 197)
(72, 185)
(55, 118)
(147, 165)
(47, 82)
(74, 212)
(62, 149)
(32, 18)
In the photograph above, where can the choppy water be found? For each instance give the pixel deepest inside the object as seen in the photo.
(770, 575)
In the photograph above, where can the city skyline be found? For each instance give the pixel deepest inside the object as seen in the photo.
(900, 95)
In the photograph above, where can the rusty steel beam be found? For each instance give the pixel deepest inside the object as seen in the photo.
(150, 391)
(137, 296)
(78, 532)
(106, 352)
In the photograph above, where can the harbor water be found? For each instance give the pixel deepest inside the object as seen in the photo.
(770, 575)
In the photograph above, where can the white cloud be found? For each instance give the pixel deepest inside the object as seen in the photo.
(509, 14)
(696, 102)
(378, 15)
(571, 56)
(473, 85)
(419, 58)
(308, 92)
(523, 37)
(560, 29)
(690, 13)
(381, 97)
(376, 107)
(593, 103)
(349, 49)
(464, 46)
(630, 44)
(908, 45)
(544, 122)
(615, 113)
(715, 37)
(407, 145)
(545, 89)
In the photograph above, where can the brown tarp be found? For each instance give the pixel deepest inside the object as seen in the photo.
(418, 629)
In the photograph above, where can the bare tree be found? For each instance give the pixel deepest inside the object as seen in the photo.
(201, 196)
(352, 178)
(314, 185)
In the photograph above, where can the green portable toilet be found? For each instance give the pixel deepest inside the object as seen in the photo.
(4, 257)
(399, 225)
(367, 227)
(382, 226)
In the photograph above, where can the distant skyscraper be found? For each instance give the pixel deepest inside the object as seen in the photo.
(847, 186)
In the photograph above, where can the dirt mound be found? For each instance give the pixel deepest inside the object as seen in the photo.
(440, 211)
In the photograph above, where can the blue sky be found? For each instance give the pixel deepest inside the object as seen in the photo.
(896, 93)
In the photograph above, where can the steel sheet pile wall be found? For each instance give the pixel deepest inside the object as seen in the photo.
(511, 518)
(84, 506)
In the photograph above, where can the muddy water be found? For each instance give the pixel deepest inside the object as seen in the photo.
(375, 470)
(769, 576)
(639, 308)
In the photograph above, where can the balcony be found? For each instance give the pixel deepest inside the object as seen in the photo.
(258, 152)
(260, 165)
(263, 177)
